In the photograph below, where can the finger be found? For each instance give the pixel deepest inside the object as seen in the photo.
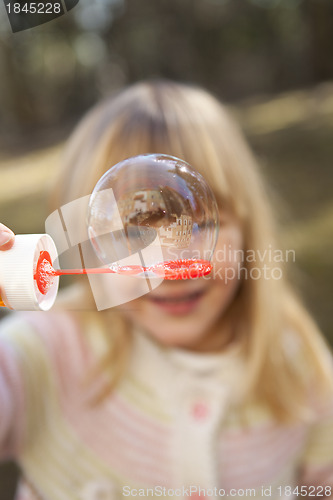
(6, 237)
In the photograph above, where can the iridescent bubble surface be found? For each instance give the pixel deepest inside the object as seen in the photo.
(153, 215)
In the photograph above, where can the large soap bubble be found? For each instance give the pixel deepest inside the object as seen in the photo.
(157, 207)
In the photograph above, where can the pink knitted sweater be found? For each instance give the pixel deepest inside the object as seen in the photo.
(171, 428)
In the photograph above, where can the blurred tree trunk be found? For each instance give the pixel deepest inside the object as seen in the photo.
(319, 18)
(9, 476)
(13, 89)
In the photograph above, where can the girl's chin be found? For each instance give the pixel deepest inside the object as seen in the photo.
(176, 330)
(181, 339)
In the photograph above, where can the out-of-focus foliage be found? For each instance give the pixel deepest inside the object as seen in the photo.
(235, 48)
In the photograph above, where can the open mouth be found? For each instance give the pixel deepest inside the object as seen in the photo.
(179, 304)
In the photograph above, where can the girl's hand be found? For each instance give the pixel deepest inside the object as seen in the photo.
(6, 237)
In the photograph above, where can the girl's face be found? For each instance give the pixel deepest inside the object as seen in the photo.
(184, 313)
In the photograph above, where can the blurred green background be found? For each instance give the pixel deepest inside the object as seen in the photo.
(269, 60)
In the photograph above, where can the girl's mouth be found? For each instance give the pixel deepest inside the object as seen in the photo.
(177, 305)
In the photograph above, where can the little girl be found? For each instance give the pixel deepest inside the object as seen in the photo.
(206, 388)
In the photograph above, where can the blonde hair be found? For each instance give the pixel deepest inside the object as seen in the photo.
(187, 122)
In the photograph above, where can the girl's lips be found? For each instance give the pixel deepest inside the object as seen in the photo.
(179, 304)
